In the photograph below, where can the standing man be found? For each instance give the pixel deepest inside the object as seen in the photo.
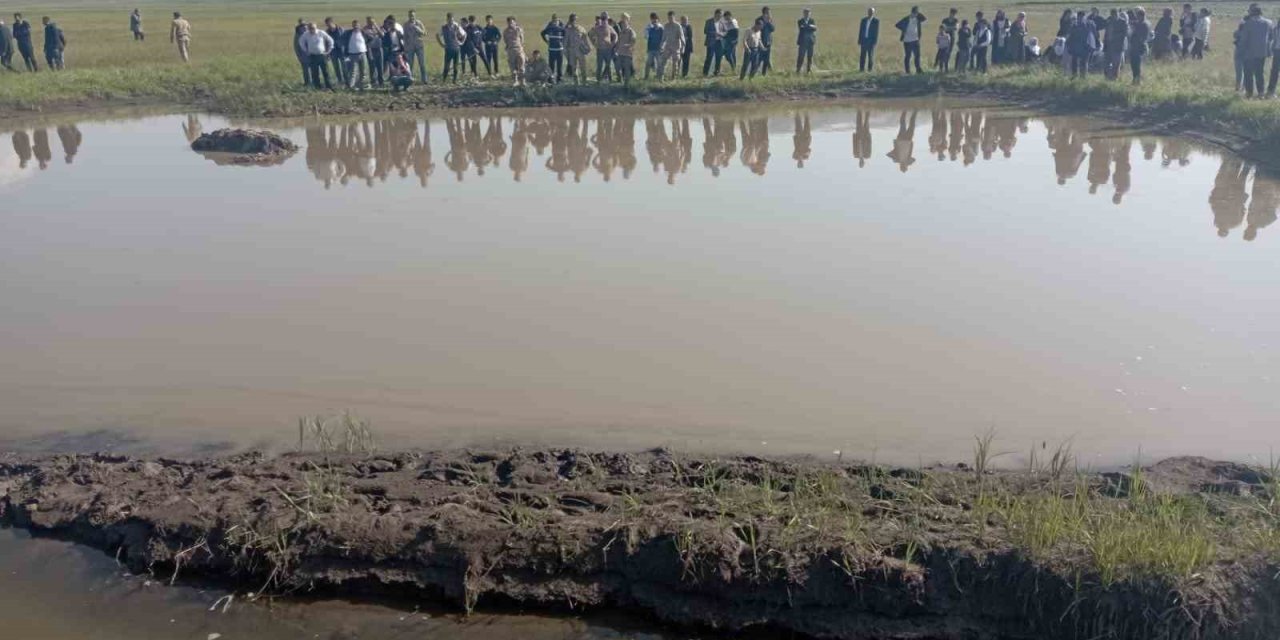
(868, 38)
(807, 38)
(373, 42)
(357, 48)
(317, 46)
(603, 38)
(1115, 44)
(553, 35)
(474, 46)
(6, 46)
(766, 39)
(1187, 28)
(55, 44)
(1139, 36)
(337, 54)
(729, 42)
(653, 35)
(492, 38)
(135, 25)
(513, 40)
(753, 49)
(577, 45)
(687, 54)
(22, 35)
(712, 35)
(1255, 47)
(1082, 41)
(180, 33)
(624, 50)
(299, 53)
(451, 37)
(911, 30)
(415, 45)
(672, 46)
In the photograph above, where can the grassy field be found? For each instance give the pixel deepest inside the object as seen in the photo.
(243, 62)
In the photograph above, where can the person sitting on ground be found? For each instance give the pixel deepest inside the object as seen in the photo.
(1031, 52)
(401, 76)
(537, 70)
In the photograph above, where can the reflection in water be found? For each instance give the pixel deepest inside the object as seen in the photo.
(570, 146)
(372, 150)
(35, 144)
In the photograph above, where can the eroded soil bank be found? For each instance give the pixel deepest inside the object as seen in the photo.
(1186, 548)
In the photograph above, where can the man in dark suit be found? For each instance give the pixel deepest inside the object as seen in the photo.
(713, 37)
(688, 46)
(868, 36)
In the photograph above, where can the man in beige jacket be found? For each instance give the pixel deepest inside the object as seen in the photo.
(576, 45)
(180, 33)
(513, 40)
(624, 50)
(672, 47)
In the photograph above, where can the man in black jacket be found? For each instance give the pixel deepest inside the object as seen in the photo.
(868, 37)
(492, 38)
(766, 38)
(22, 35)
(688, 46)
(339, 53)
(805, 41)
(714, 38)
(912, 32)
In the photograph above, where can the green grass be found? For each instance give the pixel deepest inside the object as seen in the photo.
(243, 64)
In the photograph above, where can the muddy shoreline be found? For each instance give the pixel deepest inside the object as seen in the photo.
(823, 549)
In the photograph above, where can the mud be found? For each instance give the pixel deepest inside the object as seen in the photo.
(655, 532)
(244, 147)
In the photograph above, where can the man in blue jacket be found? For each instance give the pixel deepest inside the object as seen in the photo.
(54, 44)
(868, 37)
(6, 46)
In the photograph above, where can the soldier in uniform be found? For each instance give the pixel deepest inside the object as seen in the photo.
(513, 40)
(624, 49)
(577, 45)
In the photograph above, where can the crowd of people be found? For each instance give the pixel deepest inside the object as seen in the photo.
(368, 53)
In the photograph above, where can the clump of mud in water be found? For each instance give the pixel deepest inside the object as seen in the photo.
(244, 147)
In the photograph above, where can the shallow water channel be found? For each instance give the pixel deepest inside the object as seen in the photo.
(883, 279)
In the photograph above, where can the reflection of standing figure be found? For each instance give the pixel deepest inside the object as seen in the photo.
(655, 141)
(22, 146)
(1262, 206)
(938, 134)
(957, 135)
(803, 139)
(559, 160)
(456, 158)
(862, 137)
(192, 128)
(1175, 150)
(605, 160)
(579, 148)
(42, 151)
(1124, 169)
(972, 137)
(495, 142)
(1068, 152)
(755, 145)
(1228, 196)
(904, 144)
(69, 136)
(1099, 163)
(624, 136)
(420, 153)
(519, 160)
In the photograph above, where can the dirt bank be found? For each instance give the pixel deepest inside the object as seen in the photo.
(832, 550)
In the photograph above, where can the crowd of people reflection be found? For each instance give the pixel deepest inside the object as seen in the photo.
(571, 146)
(37, 145)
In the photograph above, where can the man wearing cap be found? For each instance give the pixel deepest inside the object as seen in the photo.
(576, 45)
(805, 40)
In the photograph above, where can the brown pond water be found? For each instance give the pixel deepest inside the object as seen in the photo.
(885, 279)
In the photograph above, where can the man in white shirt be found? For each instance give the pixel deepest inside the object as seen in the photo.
(316, 45)
(357, 53)
(911, 28)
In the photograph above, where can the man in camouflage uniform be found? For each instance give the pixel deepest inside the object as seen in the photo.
(513, 40)
(624, 50)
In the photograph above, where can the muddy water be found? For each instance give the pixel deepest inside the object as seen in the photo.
(58, 591)
(883, 279)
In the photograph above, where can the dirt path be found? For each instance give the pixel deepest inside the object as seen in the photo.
(827, 550)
